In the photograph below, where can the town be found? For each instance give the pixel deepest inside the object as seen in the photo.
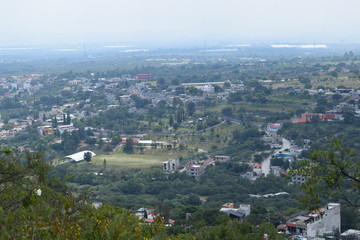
(157, 144)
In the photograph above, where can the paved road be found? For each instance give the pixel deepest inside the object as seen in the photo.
(265, 167)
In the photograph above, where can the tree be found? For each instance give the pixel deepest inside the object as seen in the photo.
(171, 120)
(115, 140)
(68, 118)
(54, 122)
(349, 115)
(334, 74)
(180, 115)
(104, 164)
(193, 199)
(87, 156)
(332, 172)
(129, 146)
(35, 206)
(235, 97)
(336, 97)
(227, 112)
(190, 108)
(175, 81)
(218, 89)
(161, 81)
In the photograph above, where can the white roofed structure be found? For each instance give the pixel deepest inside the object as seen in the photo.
(79, 156)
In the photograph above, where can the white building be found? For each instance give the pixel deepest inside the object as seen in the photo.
(171, 165)
(206, 88)
(316, 223)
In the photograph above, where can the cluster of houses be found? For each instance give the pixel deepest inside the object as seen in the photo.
(17, 126)
(193, 168)
(196, 168)
(309, 117)
(146, 90)
(148, 216)
(146, 87)
(20, 82)
(302, 225)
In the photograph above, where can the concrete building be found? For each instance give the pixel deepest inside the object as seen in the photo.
(69, 128)
(171, 165)
(298, 179)
(276, 170)
(194, 170)
(256, 168)
(316, 223)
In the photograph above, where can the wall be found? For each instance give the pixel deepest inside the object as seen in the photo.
(329, 222)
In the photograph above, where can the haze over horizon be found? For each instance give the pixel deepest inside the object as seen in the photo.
(178, 22)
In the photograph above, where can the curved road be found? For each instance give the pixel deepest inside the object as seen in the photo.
(265, 166)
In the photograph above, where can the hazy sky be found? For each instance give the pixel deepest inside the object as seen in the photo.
(122, 21)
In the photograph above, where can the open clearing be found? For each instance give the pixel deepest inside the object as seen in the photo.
(122, 160)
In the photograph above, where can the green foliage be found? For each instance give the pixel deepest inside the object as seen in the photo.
(193, 199)
(235, 97)
(283, 163)
(239, 230)
(33, 206)
(190, 108)
(331, 172)
(129, 146)
(251, 133)
(227, 112)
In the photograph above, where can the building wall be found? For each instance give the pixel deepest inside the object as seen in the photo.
(327, 224)
(298, 179)
(194, 171)
(171, 165)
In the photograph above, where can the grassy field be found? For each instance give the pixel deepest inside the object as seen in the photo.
(154, 157)
(328, 82)
(122, 160)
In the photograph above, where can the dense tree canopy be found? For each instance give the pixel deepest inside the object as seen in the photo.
(331, 172)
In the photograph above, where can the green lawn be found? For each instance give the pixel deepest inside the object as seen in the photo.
(122, 160)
